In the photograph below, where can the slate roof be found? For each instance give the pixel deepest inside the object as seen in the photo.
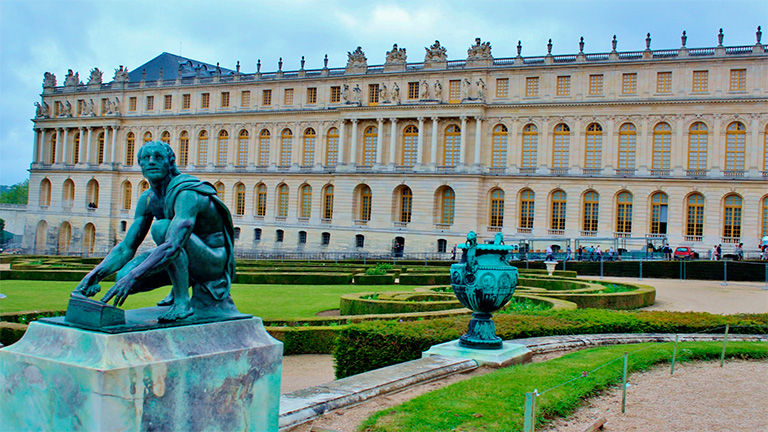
(172, 66)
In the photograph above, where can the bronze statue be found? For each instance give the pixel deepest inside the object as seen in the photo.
(194, 235)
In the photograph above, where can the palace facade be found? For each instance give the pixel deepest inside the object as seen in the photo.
(667, 145)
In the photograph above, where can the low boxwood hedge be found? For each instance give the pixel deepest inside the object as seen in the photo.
(356, 304)
(60, 275)
(699, 269)
(306, 340)
(317, 278)
(364, 279)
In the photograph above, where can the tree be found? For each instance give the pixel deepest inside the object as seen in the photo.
(16, 194)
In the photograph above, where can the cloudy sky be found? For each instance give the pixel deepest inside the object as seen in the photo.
(40, 35)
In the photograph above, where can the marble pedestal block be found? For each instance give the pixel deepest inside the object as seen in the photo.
(215, 376)
(509, 354)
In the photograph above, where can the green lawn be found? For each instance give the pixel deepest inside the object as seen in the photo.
(265, 301)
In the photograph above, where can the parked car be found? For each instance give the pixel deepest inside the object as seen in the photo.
(685, 253)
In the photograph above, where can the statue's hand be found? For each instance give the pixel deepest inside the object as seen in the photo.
(120, 291)
(87, 287)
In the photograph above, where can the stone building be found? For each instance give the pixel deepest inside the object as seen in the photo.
(612, 148)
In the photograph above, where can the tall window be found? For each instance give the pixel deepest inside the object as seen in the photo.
(359, 241)
(205, 100)
(530, 146)
(765, 218)
(732, 216)
(202, 148)
(76, 149)
(127, 191)
(365, 203)
(591, 209)
(266, 97)
(288, 96)
(264, 148)
(328, 202)
(68, 194)
(332, 147)
(89, 237)
(311, 95)
(448, 209)
(45, 193)
(52, 147)
(286, 141)
(561, 143)
(240, 199)
(499, 151)
(735, 138)
(150, 103)
(132, 102)
(282, 200)
(261, 200)
(558, 210)
(452, 148)
(624, 213)
(242, 148)
(166, 137)
(664, 82)
(406, 204)
(245, 98)
(183, 149)
(527, 201)
(308, 147)
(167, 102)
(596, 84)
(629, 83)
(130, 143)
(532, 86)
(305, 198)
(700, 81)
(410, 145)
(502, 87)
(92, 193)
(373, 94)
(221, 149)
(143, 187)
(186, 101)
(697, 146)
(659, 213)
(370, 137)
(694, 215)
(497, 208)
(662, 146)
(413, 90)
(594, 146)
(147, 137)
(454, 91)
(335, 94)
(627, 144)
(220, 190)
(100, 149)
(738, 80)
(563, 85)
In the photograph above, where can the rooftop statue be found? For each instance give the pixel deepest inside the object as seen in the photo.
(49, 80)
(397, 55)
(72, 79)
(435, 53)
(479, 50)
(357, 58)
(95, 78)
(121, 75)
(194, 235)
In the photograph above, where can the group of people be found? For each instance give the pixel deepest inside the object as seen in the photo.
(594, 253)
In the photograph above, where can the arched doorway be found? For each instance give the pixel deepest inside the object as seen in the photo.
(41, 237)
(65, 236)
(398, 246)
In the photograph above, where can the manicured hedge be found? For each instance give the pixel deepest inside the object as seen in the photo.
(372, 345)
(294, 278)
(641, 297)
(353, 304)
(364, 279)
(11, 332)
(553, 284)
(424, 279)
(699, 269)
(306, 340)
(47, 275)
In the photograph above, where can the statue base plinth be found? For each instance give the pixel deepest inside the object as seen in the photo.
(509, 354)
(214, 376)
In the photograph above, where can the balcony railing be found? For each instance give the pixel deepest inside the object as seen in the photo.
(733, 173)
(660, 172)
(326, 221)
(693, 238)
(588, 233)
(592, 171)
(521, 230)
(446, 169)
(360, 222)
(527, 170)
(494, 228)
(403, 168)
(398, 224)
(304, 220)
(730, 240)
(442, 226)
(329, 168)
(558, 171)
(556, 232)
(617, 234)
(497, 170)
(696, 173)
(625, 172)
(363, 168)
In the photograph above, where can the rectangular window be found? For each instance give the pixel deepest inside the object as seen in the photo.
(700, 81)
(413, 90)
(245, 98)
(150, 103)
(205, 101)
(80, 107)
(629, 83)
(596, 84)
(132, 103)
(186, 101)
(454, 91)
(502, 87)
(532, 86)
(288, 96)
(373, 94)
(664, 82)
(738, 80)
(335, 94)
(563, 85)
(266, 97)
(104, 106)
(167, 102)
(312, 95)
(224, 99)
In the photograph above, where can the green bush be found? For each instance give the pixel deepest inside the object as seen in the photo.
(424, 279)
(293, 278)
(47, 275)
(385, 279)
(11, 332)
(356, 304)
(306, 340)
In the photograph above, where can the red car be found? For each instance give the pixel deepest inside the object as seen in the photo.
(685, 253)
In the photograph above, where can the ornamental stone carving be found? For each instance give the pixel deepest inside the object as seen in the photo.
(49, 80)
(121, 75)
(435, 56)
(396, 56)
(95, 78)
(116, 107)
(395, 94)
(357, 59)
(479, 50)
(72, 79)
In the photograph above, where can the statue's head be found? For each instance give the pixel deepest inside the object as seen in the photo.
(157, 161)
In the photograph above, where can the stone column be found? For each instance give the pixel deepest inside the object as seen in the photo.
(58, 157)
(297, 145)
(610, 158)
(644, 148)
(715, 147)
(36, 148)
(274, 145)
(433, 150)
(213, 137)
(66, 158)
(514, 143)
(680, 148)
(234, 134)
(114, 144)
(463, 148)
(353, 144)
(393, 141)
(478, 139)
(752, 154)
(575, 146)
(420, 143)
(82, 155)
(88, 146)
(107, 146)
(543, 147)
(342, 135)
(253, 142)
(380, 141)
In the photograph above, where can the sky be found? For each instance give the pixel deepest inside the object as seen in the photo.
(38, 36)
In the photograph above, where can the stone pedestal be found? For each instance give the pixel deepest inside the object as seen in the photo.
(213, 376)
(509, 353)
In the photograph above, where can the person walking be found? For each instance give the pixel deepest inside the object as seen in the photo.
(568, 253)
(550, 256)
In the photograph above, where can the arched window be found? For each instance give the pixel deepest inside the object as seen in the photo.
(662, 146)
(452, 147)
(328, 202)
(560, 146)
(183, 149)
(92, 194)
(65, 237)
(282, 200)
(143, 186)
(239, 199)
(694, 215)
(410, 145)
(89, 238)
(499, 151)
(257, 234)
(697, 147)
(130, 144)
(359, 241)
(406, 204)
(764, 231)
(735, 138)
(302, 237)
(45, 193)
(286, 140)
(242, 148)
(305, 201)
(165, 137)
(530, 146)
(147, 136)
(41, 237)
(202, 148)
(325, 239)
(68, 194)
(594, 146)
(332, 147)
(127, 190)
(591, 211)
(365, 203)
(659, 213)
(627, 144)
(557, 221)
(624, 213)
(732, 216)
(447, 205)
(527, 200)
(220, 190)
(371, 137)
(100, 150)
(442, 245)
(497, 208)
(308, 148)
(76, 149)
(264, 138)
(261, 200)
(52, 149)
(279, 235)
(237, 233)
(221, 148)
